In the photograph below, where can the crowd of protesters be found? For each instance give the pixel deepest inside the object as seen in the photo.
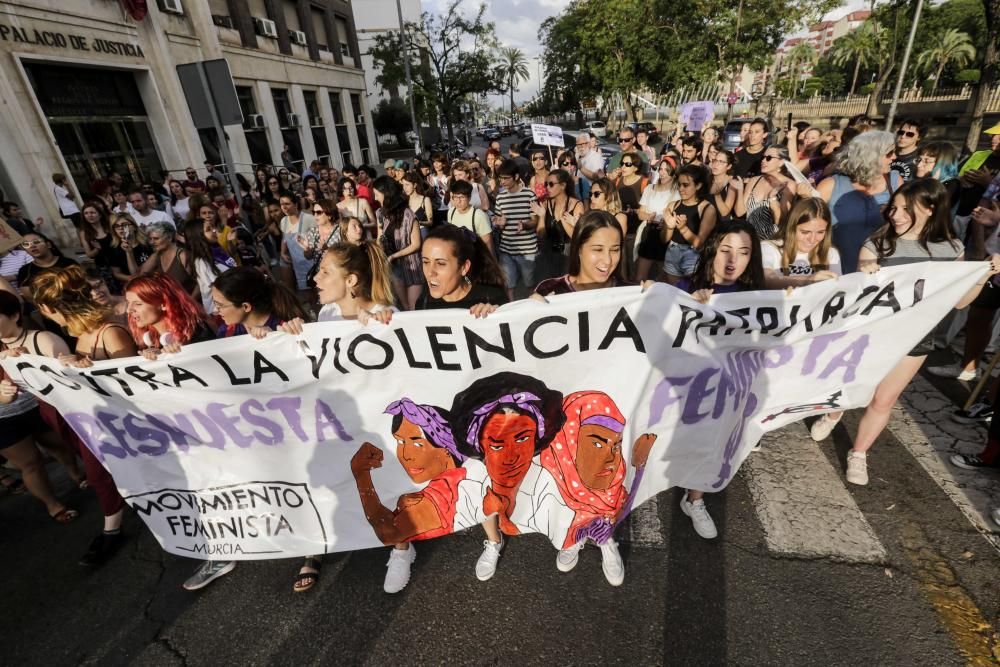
(180, 261)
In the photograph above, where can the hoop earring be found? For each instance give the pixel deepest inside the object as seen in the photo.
(466, 279)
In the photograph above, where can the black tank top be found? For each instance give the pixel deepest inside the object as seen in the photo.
(693, 221)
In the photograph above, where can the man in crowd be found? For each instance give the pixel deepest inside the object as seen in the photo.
(626, 139)
(363, 181)
(691, 150)
(514, 151)
(144, 215)
(589, 162)
(518, 250)
(313, 170)
(192, 179)
(907, 143)
(746, 163)
(463, 214)
(14, 216)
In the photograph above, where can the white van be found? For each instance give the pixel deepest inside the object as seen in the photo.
(598, 128)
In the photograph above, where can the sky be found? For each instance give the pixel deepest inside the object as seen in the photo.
(517, 24)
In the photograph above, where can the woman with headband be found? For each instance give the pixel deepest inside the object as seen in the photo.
(501, 423)
(426, 449)
(586, 461)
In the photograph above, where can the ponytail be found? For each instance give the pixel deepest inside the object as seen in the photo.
(368, 263)
(468, 247)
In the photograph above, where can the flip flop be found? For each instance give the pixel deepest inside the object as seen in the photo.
(65, 515)
(306, 580)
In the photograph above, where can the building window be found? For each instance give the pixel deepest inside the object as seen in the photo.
(340, 124)
(319, 30)
(316, 126)
(343, 38)
(359, 119)
(260, 151)
(289, 133)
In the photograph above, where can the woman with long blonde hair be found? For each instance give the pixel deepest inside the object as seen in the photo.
(802, 251)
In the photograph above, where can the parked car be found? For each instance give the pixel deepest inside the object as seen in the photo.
(524, 131)
(506, 130)
(597, 127)
(480, 130)
(654, 134)
(491, 133)
(731, 133)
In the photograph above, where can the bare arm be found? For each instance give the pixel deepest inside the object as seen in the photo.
(825, 189)
(706, 227)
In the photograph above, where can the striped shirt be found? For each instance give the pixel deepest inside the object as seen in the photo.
(516, 207)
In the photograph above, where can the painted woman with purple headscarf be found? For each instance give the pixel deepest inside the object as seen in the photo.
(426, 449)
(501, 423)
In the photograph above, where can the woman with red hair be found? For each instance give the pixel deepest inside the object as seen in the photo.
(162, 316)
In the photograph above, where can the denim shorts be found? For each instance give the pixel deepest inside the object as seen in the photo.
(681, 260)
(518, 269)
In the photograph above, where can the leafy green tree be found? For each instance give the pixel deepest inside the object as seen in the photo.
(988, 72)
(801, 56)
(950, 46)
(393, 117)
(455, 57)
(858, 47)
(515, 68)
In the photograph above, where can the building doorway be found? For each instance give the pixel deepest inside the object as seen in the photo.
(99, 122)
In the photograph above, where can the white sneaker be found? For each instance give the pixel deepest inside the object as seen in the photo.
(857, 468)
(996, 515)
(208, 572)
(822, 427)
(702, 520)
(567, 559)
(611, 563)
(398, 573)
(486, 566)
(954, 371)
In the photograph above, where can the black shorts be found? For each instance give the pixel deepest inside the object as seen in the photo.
(15, 429)
(988, 297)
(652, 246)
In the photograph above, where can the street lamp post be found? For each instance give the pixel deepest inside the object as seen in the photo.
(409, 79)
(891, 116)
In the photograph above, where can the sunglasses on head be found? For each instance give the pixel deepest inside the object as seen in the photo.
(906, 133)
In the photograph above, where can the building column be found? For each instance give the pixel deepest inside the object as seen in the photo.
(326, 111)
(275, 13)
(265, 106)
(200, 16)
(242, 19)
(352, 126)
(298, 103)
(329, 19)
(305, 20)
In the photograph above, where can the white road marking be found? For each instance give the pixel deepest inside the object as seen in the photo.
(802, 502)
(922, 423)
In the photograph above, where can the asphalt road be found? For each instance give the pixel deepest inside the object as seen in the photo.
(807, 570)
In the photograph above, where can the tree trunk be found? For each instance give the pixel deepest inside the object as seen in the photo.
(988, 76)
(854, 80)
(511, 99)
(876, 93)
(937, 75)
(631, 108)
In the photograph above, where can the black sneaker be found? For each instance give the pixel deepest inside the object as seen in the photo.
(979, 412)
(971, 462)
(102, 548)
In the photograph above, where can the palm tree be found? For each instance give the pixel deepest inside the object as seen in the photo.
(858, 47)
(800, 55)
(515, 68)
(948, 46)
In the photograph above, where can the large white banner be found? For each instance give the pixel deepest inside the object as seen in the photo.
(558, 417)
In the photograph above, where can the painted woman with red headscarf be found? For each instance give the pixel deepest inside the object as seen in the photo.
(585, 459)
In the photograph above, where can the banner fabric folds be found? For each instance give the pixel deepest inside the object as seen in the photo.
(558, 417)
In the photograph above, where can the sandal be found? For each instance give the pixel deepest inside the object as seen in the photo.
(12, 485)
(306, 580)
(65, 515)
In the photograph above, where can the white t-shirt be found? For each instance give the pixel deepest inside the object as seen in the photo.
(153, 216)
(771, 258)
(330, 312)
(205, 276)
(592, 161)
(66, 204)
(181, 209)
(654, 200)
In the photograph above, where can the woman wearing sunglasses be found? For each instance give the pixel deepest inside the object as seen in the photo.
(556, 217)
(766, 199)
(630, 184)
(325, 234)
(540, 165)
